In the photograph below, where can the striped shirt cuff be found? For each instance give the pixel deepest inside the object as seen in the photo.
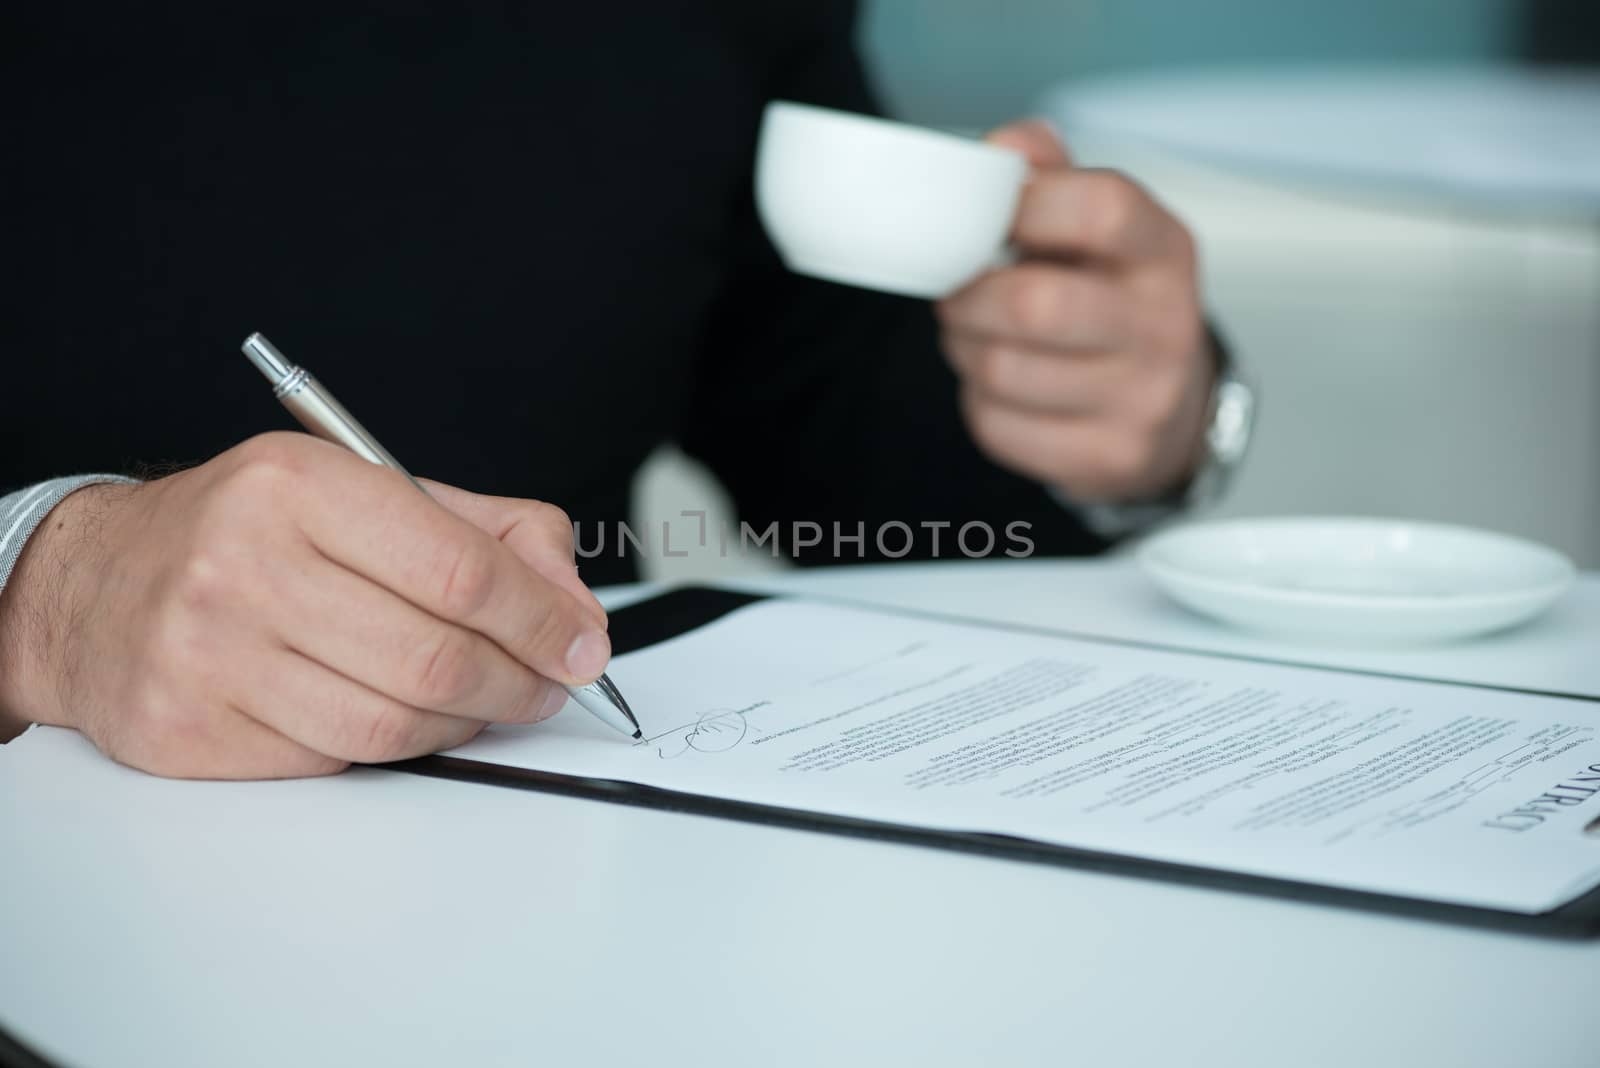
(23, 511)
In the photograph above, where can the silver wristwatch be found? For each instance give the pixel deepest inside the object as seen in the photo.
(1233, 416)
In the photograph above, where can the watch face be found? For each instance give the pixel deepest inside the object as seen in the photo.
(1230, 425)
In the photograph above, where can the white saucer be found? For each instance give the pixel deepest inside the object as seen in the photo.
(1368, 581)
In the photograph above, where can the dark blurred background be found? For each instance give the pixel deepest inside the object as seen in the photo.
(1559, 31)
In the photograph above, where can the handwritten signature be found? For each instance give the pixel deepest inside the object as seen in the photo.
(716, 731)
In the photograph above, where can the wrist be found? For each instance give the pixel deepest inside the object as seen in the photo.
(1196, 452)
(1225, 437)
(37, 610)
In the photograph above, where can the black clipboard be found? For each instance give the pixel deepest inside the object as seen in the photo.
(680, 610)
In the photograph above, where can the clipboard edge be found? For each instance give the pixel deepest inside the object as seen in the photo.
(1578, 919)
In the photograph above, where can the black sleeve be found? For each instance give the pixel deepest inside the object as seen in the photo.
(825, 404)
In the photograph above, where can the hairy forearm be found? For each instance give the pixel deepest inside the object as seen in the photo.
(35, 610)
(26, 631)
(18, 618)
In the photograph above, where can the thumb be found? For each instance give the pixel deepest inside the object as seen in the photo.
(1036, 139)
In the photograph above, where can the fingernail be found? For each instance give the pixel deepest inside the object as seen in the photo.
(554, 701)
(588, 654)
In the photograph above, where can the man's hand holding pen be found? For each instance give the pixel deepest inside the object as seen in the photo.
(289, 608)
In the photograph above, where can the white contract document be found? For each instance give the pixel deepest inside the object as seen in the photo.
(1436, 791)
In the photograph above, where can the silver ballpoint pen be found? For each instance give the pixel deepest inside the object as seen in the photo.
(325, 417)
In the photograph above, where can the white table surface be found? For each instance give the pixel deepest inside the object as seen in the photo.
(1501, 137)
(382, 918)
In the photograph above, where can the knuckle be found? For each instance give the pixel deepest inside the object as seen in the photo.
(994, 369)
(280, 452)
(1112, 205)
(465, 579)
(387, 733)
(202, 583)
(553, 523)
(265, 469)
(446, 672)
(160, 732)
(550, 630)
(550, 515)
(1031, 305)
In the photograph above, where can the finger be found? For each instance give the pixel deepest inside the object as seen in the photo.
(1048, 381)
(1094, 213)
(1035, 138)
(384, 642)
(221, 743)
(371, 521)
(338, 717)
(1042, 304)
(539, 534)
(1094, 459)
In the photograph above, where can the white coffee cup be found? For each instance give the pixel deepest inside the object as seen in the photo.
(881, 204)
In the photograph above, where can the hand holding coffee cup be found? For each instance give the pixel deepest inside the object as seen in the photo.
(1068, 297)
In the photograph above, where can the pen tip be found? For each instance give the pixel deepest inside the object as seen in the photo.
(638, 734)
